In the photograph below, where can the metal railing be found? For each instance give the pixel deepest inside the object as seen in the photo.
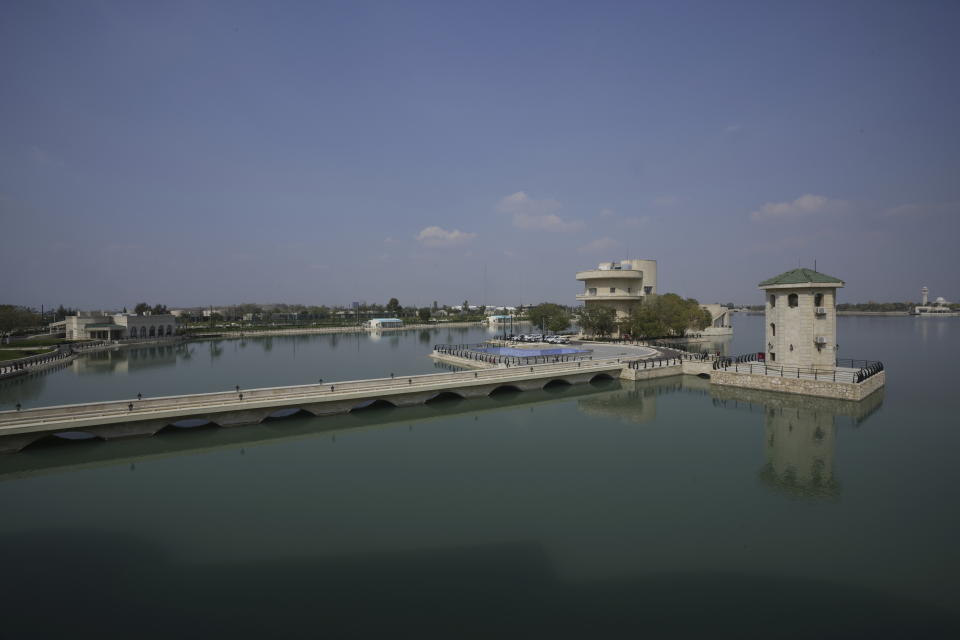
(655, 363)
(472, 352)
(852, 374)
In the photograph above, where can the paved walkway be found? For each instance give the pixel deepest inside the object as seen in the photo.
(611, 350)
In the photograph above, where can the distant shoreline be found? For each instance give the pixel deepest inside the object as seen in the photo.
(213, 334)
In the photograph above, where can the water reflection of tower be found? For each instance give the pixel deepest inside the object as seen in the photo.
(799, 446)
(800, 435)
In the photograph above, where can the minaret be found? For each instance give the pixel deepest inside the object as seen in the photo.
(923, 296)
(801, 319)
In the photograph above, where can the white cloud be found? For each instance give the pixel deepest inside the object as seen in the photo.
(389, 240)
(548, 222)
(598, 245)
(666, 201)
(440, 237)
(916, 210)
(732, 128)
(607, 213)
(540, 215)
(805, 205)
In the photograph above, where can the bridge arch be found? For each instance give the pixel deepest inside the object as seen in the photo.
(504, 389)
(557, 383)
(445, 396)
(601, 376)
(373, 405)
(59, 439)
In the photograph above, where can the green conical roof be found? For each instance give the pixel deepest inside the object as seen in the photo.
(800, 276)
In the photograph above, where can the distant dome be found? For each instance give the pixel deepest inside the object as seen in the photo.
(940, 300)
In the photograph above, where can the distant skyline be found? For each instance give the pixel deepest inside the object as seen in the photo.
(214, 153)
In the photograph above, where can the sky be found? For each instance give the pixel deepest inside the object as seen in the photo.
(205, 153)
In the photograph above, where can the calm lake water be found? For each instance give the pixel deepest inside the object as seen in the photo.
(649, 509)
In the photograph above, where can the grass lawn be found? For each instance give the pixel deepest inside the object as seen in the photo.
(36, 342)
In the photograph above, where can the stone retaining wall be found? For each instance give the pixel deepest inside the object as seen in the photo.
(820, 388)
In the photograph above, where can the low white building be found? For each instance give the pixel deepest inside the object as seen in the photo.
(939, 307)
(383, 323)
(92, 325)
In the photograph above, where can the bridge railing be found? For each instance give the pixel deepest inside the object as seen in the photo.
(655, 363)
(474, 352)
(311, 392)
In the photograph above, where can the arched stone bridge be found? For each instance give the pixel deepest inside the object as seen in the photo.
(128, 418)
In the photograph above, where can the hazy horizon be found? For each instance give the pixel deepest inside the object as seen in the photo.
(207, 154)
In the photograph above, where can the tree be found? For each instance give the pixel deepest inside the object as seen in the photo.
(424, 314)
(668, 315)
(597, 321)
(549, 316)
(159, 309)
(141, 309)
(393, 307)
(14, 317)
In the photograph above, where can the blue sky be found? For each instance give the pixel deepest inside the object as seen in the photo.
(203, 153)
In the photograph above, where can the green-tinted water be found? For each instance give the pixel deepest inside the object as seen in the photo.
(664, 508)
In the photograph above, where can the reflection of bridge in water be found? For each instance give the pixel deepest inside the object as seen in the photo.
(799, 432)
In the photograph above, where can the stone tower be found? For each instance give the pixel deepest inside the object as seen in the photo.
(801, 319)
(924, 293)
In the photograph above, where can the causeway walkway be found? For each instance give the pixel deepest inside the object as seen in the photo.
(147, 416)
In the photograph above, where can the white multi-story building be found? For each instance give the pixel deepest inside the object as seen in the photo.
(620, 286)
(801, 319)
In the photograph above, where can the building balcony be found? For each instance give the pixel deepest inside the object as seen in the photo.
(628, 297)
(610, 274)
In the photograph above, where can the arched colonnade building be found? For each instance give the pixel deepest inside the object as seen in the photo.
(88, 325)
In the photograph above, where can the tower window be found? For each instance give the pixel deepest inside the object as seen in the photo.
(773, 357)
(613, 289)
(773, 301)
(818, 300)
(773, 328)
(793, 300)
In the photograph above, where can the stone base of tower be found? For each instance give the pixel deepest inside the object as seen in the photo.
(823, 388)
